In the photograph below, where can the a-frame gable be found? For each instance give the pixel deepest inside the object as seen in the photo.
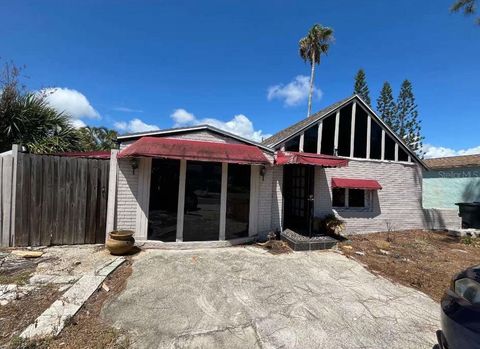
(350, 129)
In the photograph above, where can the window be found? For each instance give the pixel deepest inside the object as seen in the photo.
(338, 197)
(328, 135)
(310, 139)
(345, 131)
(350, 198)
(293, 144)
(238, 201)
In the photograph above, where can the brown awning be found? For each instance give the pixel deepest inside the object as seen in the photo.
(172, 148)
(290, 157)
(367, 184)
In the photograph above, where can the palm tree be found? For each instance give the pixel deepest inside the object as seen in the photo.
(311, 48)
(467, 6)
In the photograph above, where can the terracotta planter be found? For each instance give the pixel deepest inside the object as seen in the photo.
(120, 242)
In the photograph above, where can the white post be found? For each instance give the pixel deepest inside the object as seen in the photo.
(143, 198)
(181, 199)
(369, 127)
(319, 138)
(383, 145)
(396, 151)
(302, 139)
(112, 192)
(337, 127)
(282, 147)
(254, 189)
(352, 129)
(223, 200)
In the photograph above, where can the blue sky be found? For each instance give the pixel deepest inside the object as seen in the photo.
(136, 65)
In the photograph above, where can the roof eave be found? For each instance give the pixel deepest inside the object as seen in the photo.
(194, 128)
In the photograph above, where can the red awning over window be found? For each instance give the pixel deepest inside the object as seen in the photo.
(290, 157)
(171, 148)
(367, 184)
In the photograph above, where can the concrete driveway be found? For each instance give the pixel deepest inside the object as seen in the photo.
(247, 298)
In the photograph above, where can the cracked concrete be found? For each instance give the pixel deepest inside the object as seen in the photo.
(246, 298)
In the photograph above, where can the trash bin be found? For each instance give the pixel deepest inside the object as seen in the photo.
(470, 213)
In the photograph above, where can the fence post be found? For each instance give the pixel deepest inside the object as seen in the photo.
(112, 193)
(14, 193)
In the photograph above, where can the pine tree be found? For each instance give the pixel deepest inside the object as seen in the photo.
(360, 88)
(406, 123)
(386, 105)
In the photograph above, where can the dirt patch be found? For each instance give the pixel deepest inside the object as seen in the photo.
(18, 314)
(425, 260)
(87, 329)
(275, 246)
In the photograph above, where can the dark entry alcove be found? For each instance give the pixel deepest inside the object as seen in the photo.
(162, 214)
(202, 201)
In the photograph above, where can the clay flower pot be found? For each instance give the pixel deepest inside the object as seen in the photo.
(120, 242)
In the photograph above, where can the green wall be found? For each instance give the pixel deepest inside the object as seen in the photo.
(443, 188)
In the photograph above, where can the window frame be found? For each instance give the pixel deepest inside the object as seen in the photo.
(367, 201)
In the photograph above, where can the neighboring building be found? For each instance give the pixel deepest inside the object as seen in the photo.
(201, 183)
(450, 180)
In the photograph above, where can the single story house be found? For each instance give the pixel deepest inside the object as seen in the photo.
(450, 180)
(204, 184)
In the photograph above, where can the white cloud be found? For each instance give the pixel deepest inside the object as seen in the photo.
(127, 110)
(72, 102)
(182, 117)
(239, 124)
(134, 125)
(295, 92)
(432, 151)
(77, 123)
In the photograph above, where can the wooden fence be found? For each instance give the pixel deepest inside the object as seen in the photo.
(58, 200)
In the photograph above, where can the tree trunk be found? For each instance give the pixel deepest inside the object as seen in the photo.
(312, 76)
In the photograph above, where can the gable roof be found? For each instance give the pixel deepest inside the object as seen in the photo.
(179, 130)
(290, 131)
(454, 162)
(302, 125)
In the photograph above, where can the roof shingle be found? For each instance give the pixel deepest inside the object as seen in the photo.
(454, 161)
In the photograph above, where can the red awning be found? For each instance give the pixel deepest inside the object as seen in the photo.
(367, 184)
(171, 148)
(290, 157)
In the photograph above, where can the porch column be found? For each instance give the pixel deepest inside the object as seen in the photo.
(337, 128)
(143, 198)
(253, 211)
(369, 131)
(112, 193)
(352, 129)
(181, 199)
(223, 200)
(319, 137)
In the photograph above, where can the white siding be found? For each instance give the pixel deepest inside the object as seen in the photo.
(205, 135)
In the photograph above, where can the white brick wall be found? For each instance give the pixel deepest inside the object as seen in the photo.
(127, 191)
(397, 206)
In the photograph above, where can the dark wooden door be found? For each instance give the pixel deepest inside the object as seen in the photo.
(298, 187)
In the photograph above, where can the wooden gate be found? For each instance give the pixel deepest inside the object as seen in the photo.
(60, 200)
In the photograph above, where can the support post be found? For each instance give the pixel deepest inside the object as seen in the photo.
(223, 200)
(383, 145)
(319, 138)
(181, 199)
(352, 129)
(396, 151)
(112, 192)
(254, 189)
(369, 128)
(337, 127)
(300, 145)
(143, 199)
